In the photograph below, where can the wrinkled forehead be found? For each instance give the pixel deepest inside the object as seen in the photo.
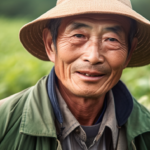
(123, 21)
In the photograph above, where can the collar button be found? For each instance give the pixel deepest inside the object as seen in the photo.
(77, 130)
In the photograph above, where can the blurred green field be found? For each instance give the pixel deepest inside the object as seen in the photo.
(20, 70)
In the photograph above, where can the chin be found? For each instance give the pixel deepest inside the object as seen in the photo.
(88, 94)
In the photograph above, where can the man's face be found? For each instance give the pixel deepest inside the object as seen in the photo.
(92, 51)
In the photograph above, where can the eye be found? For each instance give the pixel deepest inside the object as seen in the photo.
(79, 35)
(111, 39)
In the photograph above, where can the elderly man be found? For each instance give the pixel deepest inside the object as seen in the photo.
(81, 104)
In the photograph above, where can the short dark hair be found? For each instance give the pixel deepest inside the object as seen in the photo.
(132, 34)
(53, 26)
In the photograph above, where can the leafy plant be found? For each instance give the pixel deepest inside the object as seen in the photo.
(18, 69)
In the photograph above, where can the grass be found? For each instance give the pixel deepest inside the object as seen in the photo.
(20, 70)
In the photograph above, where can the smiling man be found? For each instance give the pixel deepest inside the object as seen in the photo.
(81, 104)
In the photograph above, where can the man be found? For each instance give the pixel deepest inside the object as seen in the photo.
(81, 104)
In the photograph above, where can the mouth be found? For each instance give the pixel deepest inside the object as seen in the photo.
(90, 75)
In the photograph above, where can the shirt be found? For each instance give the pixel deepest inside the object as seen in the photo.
(74, 136)
(123, 105)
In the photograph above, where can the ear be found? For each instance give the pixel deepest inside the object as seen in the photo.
(49, 46)
(133, 47)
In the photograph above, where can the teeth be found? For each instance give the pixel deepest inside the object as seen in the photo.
(90, 75)
(87, 74)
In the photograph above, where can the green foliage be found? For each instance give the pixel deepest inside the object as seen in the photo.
(18, 69)
(25, 8)
(33, 9)
(138, 82)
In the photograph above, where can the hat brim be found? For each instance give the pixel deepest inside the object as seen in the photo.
(31, 33)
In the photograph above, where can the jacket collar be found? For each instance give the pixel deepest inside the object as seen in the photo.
(51, 90)
(123, 103)
(37, 117)
(122, 97)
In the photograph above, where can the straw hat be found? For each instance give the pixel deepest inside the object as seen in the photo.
(31, 33)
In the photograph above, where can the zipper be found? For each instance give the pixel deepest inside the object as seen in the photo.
(133, 145)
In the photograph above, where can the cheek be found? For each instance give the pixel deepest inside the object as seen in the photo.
(66, 56)
(116, 58)
(62, 71)
(117, 62)
(68, 52)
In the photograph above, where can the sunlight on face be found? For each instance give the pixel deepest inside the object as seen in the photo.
(91, 53)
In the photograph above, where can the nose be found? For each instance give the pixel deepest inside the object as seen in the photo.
(94, 55)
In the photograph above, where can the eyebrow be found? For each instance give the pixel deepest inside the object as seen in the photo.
(76, 25)
(114, 29)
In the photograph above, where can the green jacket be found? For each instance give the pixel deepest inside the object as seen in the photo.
(27, 122)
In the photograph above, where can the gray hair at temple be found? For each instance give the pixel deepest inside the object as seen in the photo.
(53, 26)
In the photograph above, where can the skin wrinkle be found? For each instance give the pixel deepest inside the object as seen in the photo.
(77, 25)
(93, 67)
(54, 24)
(109, 83)
(81, 108)
(115, 29)
(90, 49)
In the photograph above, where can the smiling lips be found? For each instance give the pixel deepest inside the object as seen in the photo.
(90, 74)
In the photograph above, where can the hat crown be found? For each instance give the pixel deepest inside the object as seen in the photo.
(126, 2)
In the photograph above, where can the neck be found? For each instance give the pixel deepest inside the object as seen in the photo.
(85, 110)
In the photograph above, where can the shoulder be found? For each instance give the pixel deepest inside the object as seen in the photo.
(11, 111)
(24, 107)
(140, 116)
(139, 126)
(138, 123)
(139, 111)
(12, 101)
(12, 107)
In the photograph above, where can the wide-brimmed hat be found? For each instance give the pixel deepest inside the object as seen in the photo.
(31, 33)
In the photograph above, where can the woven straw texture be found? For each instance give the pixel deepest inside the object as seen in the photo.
(31, 33)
